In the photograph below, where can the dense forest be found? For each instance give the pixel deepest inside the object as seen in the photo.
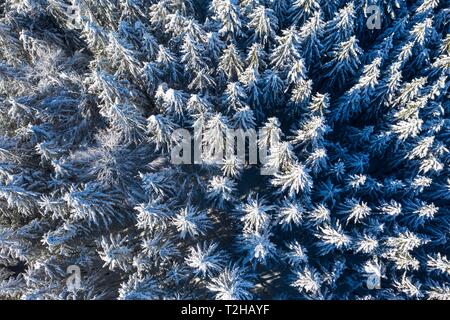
(354, 92)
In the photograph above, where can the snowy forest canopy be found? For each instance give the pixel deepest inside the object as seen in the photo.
(92, 90)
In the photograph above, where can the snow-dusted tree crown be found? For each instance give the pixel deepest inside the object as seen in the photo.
(350, 98)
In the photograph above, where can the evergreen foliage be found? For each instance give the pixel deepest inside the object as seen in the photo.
(92, 91)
